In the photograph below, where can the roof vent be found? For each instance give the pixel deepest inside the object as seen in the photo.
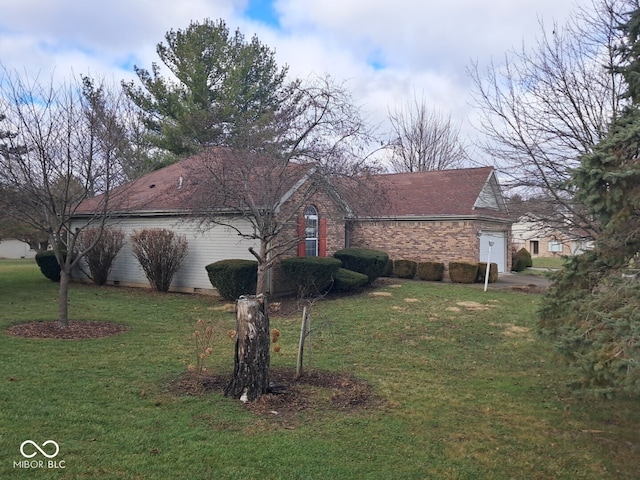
(180, 182)
(153, 185)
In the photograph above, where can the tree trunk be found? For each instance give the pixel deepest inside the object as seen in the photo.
(63, 298)
(251, 363)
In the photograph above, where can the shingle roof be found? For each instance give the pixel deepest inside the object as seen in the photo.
(180, 186)
(460, 192)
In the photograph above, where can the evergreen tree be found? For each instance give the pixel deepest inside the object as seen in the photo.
(593, 308)
(222, 87)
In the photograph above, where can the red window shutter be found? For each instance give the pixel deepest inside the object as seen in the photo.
(301, 243)
(322, 238)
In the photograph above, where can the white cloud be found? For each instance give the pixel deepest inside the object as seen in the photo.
(385, 50)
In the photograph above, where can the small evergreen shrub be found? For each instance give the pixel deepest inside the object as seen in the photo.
(48, 265)
(388, 269)
(311, 275)
(482, 271)
(363, 260)
(348, 280)
(521, 260)
(233, 277)
(463, 272)
(405, 268)
(430, 271)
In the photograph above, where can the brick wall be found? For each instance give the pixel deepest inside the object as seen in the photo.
(328, 210)
(436, 241)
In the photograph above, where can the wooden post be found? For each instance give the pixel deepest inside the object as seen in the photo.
(251, 362)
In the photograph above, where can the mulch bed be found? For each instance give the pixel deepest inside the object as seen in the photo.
(73, 331)
(314, 391)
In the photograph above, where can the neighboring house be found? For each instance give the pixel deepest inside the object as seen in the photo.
(12, 248)
(543, 241)
(439, 216)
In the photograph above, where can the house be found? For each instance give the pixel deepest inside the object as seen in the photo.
(543, 241)
(12, 248)
(440, 216)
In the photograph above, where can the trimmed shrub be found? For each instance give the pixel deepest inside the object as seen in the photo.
(405, 268)
(48, 265)
(431, 271)
(521, 260)
(482, 271)
(233, 277)
(312, 275)
(463, 272)
(347, 280)
(363, 260)
(388, 269)
(160, 253)
(106, 242)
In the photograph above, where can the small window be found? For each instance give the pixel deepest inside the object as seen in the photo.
(311, 231)
(535, 247)
(555, 246)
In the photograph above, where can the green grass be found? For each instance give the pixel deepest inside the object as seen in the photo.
(469, 390)
(551, 262)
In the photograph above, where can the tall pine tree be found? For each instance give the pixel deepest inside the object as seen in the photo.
(221, 89)
(593, 308)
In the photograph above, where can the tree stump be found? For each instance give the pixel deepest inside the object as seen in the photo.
(251, 362)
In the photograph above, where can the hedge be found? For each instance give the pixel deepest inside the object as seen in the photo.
(234, 277)
(405, 268)
(370, 262)
(463, 272)
(49, 265)
(521, 260)
(482, 271)
(347, 280)
(311, 275)
(431, 271)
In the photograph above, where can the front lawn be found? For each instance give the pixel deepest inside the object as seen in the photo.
(464, 390)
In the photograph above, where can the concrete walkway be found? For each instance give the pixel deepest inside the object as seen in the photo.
(513, 279)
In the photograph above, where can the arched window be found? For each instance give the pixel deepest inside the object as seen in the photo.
(311, 231)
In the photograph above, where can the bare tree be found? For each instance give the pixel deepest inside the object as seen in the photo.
(424, 139)
(70, 154)
(314, 143)
(545, 106)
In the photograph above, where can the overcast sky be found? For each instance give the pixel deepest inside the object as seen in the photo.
(386, 50)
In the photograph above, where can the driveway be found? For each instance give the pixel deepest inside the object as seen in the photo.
(515, 280)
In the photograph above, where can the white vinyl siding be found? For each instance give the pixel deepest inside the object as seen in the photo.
(206, 246)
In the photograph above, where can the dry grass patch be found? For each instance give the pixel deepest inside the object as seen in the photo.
(474, 305)
(381, 294)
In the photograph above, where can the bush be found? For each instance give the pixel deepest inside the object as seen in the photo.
(431, 271)
(160, 253)
(49, 265)
(405, 268)
(482, 271)
(463, 272)
(347, 280)
(521, 260)
(106, 242)
(312, 275)
(370, 262)
(388, 269)
(233, 277)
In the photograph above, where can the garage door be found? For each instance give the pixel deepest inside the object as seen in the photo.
(498, 243)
